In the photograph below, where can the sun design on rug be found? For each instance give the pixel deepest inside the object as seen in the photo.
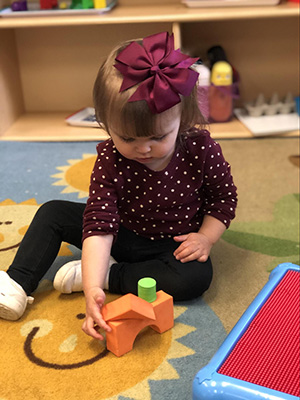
(49, 341)
(76, 176)
(15, 219)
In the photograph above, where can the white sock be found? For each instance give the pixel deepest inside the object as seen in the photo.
(110, 263)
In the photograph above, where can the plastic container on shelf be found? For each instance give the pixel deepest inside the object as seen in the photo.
(203, 84)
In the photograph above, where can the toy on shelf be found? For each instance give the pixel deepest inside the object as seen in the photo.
(48, 4)
(58, 7)
(129, 314)
(271, 117)
(23, 5)
(19, 5)
(275, 106)
(100, 3)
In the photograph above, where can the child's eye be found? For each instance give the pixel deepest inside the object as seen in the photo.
(127, 140)
(160, 138)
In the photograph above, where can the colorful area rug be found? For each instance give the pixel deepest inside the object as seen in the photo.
(45, 355)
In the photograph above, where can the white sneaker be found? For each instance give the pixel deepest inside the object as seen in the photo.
(13, 299)
(68, 278)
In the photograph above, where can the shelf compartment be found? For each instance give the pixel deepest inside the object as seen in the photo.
(50, 63)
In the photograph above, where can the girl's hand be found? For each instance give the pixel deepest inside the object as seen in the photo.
(194, 246)
(94, 321)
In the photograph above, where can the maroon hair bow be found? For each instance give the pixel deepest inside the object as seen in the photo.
(161, 72)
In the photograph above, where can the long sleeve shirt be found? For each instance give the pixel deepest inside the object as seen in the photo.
(160, 204)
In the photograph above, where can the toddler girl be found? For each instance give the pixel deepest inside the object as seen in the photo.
(161, 192)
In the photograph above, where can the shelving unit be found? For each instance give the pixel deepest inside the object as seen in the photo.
(48, 64)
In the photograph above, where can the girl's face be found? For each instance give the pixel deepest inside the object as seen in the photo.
(154, 151)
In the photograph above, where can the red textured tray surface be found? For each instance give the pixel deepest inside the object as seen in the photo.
(268, 354)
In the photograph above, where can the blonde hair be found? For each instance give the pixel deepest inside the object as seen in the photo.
(134, 119)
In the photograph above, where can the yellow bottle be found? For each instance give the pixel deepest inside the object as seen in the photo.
(221, 74)
(220, 93)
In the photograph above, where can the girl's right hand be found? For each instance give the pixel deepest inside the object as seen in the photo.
(94, 321)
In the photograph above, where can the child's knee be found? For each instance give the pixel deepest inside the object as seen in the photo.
(187, 291)
(49, 211)
(194, 282)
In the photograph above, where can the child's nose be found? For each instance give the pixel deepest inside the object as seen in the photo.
(143, 148)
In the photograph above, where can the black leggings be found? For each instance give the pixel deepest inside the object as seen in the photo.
(137, 257)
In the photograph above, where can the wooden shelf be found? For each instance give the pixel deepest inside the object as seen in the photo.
(49, 63)
(154, 14)
(49, 127)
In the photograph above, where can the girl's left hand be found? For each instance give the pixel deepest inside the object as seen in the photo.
(194, 246)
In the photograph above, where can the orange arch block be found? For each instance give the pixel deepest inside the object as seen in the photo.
(129, 314)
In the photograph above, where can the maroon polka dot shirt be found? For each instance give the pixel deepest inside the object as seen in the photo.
(160, 204)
